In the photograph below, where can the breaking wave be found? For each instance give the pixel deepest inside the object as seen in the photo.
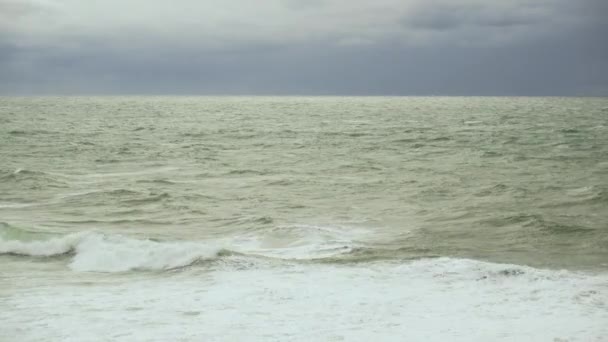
(99, 252)
(92, 251)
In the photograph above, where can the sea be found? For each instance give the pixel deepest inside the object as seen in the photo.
(303, 219)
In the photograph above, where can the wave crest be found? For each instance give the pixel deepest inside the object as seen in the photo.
(98, 252)
(113, 253)
(41, 248)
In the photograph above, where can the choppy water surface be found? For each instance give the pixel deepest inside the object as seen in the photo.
(170, 218)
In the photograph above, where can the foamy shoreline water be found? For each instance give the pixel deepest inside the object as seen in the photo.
(431, 299)
(193, 291)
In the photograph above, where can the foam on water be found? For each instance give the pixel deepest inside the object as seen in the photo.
(426, 300)
(258, 299)
(118, 254)
(300, 241)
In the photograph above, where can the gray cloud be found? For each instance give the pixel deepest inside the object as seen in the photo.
(305, 5)
(452, 16)
(12, 9)
(548, 47)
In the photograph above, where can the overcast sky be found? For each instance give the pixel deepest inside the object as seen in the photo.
(304, 47)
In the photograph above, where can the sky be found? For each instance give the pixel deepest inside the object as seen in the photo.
(299, 47)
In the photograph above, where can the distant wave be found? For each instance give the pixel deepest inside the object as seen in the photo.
(122, 195)
(28, 176)
(20, 132)
(538, 222)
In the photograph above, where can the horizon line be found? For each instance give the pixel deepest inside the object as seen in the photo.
(284, 95)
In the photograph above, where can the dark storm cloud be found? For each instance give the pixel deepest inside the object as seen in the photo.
(310, 70)
(530, 48)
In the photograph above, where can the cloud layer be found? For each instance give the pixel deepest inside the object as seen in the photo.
(356, 47)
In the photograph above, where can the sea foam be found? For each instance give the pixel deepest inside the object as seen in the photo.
(438, 299)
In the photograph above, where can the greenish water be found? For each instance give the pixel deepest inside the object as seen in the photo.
(507, 179)
(128, 184)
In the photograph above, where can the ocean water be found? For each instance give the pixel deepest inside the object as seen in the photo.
(303, 219)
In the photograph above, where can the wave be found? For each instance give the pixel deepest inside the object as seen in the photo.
(14, 205)
(158, 181)
(41, 248)
(118, 254)
(539, 223)
(245, 172)
(125, 196)
(95, 251)
(589, 194)
(21, 173)
(300, 242)
(33, 177)
(98, 252)
(19, 132)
